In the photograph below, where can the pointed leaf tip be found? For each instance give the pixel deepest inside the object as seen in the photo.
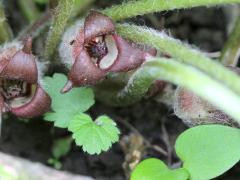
(67, 87)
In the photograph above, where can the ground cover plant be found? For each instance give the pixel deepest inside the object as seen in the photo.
(75, 64)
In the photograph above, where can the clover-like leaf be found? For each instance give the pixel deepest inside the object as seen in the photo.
(66, 106)
(208, 151)
(152, 168)
(94, 136)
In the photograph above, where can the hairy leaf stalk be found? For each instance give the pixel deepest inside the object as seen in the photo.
(185, 76)
(140, 7)
(231, 51)
(63, 13)
(181, 52)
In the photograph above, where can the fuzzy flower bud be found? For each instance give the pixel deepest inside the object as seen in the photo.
(194, 110)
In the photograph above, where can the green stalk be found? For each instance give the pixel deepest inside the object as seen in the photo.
(185, 76)
(63, 13)
(81, 6)
(29, 10)
(231, 51)
(140, 7)
(65, 10)
(5, 30)
(182, 52)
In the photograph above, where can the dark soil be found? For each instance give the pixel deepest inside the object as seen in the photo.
(203, 27)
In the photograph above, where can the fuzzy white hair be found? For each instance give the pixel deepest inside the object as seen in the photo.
(65, 48)
(17, 44)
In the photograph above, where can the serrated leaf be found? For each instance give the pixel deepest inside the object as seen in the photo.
(66, 106)
(208, 151)
(151, 169)
(94, 137)
(80, 99)
(60, 118)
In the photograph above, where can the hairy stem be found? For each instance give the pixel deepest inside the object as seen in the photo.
(182, 52)
(29, 10)
(5, 30)
(231, 51)
(65, 10)
(185, 76)
(140, 7)
(81, 6)
(62, 15)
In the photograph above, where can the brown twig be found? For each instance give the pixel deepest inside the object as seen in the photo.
(148, 144)
(36, 28)
(166, 140)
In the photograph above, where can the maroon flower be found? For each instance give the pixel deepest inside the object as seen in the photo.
(20, 91)
(96, 50)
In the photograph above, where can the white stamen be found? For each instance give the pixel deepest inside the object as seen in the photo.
(112, 54)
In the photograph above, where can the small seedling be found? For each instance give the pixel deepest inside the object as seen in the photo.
(203, 152)
(61, 148)
(69, 112)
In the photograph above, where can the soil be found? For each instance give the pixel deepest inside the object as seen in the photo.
(33, 139)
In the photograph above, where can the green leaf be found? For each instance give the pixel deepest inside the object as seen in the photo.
(94, 137)
(151, 169)
(79, 98)
(66, 106)
(209, 150)
(61, 147)
(60, 118)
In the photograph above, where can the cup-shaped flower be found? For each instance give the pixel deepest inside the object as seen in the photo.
(20, 90)
(93, 49)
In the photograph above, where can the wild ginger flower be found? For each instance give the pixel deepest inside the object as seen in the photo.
(93, 49)
(20, 91)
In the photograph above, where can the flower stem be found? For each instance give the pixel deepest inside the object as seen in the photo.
(185, 76)
(182, 52)
(231, 51)
(65, 10)
(5, 30)
(81, 6)
(140, 7)
(63, 13)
